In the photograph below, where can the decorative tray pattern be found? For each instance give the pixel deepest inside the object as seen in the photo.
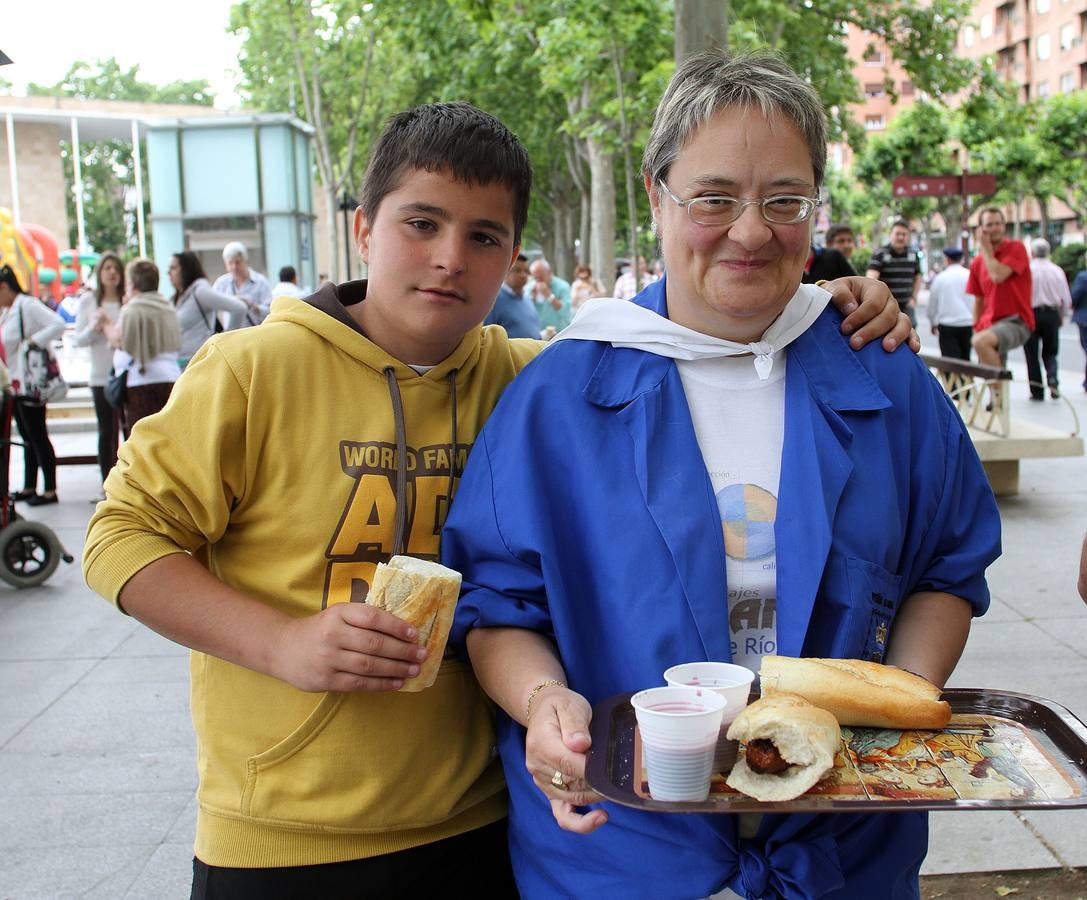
(1001, 750)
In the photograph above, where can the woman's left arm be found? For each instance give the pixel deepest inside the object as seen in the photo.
(871, 311)
(521, 671)
(929, 635)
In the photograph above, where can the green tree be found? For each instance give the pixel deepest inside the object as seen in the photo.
(107, 168)
(1013, 141)
(920, 36)
(918, 142)
(335, 62)
(577, 80)
(1062, 126)
(614, 60)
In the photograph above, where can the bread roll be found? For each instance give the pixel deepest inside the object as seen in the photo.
(858, 692)
(424, 594)
(806, 737)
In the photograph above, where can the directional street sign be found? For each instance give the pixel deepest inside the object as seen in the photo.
(927, 186)
(943, 185)
(981, 184)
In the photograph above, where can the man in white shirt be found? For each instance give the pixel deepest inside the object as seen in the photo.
(950, 308)
(288, 283)
(1051, 300)
(245, 283)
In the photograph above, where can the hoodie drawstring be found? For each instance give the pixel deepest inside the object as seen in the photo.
(453, 440)
(400, 534)
(401, 463)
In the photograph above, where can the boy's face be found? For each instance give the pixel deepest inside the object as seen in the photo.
(843, 243)
(517, 277)
(437, 251)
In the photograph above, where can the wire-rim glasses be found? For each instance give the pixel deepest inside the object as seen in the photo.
(716, 209)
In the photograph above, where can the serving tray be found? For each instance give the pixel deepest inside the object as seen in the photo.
(1001, 750)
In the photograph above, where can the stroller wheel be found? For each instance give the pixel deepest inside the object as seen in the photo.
(29, 553)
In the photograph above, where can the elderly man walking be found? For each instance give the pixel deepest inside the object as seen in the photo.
(550, 296)
(1051, 300)
(245, 283)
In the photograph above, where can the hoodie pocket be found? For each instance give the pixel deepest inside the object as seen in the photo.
(874, 598)
(379, 761)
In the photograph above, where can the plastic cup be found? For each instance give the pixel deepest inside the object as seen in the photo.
(679, 728)
(730, 681)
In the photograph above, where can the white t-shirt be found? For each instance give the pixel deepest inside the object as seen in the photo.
(160, 369)
(739, 420)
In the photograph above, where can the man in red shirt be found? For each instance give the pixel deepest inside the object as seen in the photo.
(1000, 283)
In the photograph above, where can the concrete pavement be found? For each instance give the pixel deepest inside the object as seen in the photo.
(97, 770)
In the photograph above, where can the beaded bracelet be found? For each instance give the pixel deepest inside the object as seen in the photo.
(551, 682)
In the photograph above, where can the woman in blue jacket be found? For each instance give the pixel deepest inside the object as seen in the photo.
(710, 473)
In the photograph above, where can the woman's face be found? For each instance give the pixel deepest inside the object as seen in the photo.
(174, 272)
(7, 294)
(732, 281)
(111, 278)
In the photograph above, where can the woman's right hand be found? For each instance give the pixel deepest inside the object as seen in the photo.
(556, 742)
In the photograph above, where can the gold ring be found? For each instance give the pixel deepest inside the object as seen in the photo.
(558, 781)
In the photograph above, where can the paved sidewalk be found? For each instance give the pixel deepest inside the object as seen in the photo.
(97, 768)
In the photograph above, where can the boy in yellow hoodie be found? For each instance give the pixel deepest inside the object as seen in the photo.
(291, 459)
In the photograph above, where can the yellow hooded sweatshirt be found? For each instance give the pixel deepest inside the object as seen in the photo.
(276, 461)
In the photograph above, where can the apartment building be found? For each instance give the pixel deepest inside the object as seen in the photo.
(1040, 46)
(1037, 45)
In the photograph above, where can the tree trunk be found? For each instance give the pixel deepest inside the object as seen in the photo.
(335, 258)
(602, 238)
(1043, 215)
(561, 251)
(700, 24)
(628, 167)
(567, 256)
(585, 257)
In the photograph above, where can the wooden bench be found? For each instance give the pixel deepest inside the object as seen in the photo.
(981, 395)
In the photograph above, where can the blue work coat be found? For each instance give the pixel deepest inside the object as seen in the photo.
(586, 513)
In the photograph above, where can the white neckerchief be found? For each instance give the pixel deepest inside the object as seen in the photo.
(626, 324)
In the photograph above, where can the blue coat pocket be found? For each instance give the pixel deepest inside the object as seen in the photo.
(874, 595)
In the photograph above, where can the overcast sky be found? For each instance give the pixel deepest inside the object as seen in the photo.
(169, 42)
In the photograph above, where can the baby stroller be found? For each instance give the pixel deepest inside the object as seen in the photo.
(29, 551)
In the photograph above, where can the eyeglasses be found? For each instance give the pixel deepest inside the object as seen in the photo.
(782, 209)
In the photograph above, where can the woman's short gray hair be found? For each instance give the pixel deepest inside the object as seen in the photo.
(712, 80)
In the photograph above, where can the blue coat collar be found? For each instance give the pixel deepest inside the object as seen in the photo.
(834, 373)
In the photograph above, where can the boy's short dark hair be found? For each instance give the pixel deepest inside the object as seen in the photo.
(473, 145)
(287, 273)
(142, 275)
(900, 223)
(836, 230)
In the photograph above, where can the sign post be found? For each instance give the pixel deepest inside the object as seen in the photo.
(963, 185)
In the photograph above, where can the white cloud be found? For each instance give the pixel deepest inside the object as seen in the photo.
(169, 41)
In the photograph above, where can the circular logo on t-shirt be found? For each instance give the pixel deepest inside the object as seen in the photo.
(747, 518)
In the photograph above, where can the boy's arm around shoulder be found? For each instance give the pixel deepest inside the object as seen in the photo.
(171, 493)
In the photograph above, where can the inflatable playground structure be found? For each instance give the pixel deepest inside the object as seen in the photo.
(44, 270)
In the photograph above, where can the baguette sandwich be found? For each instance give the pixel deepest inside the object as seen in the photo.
(424, 594)
(857, 692)
(789, 746)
